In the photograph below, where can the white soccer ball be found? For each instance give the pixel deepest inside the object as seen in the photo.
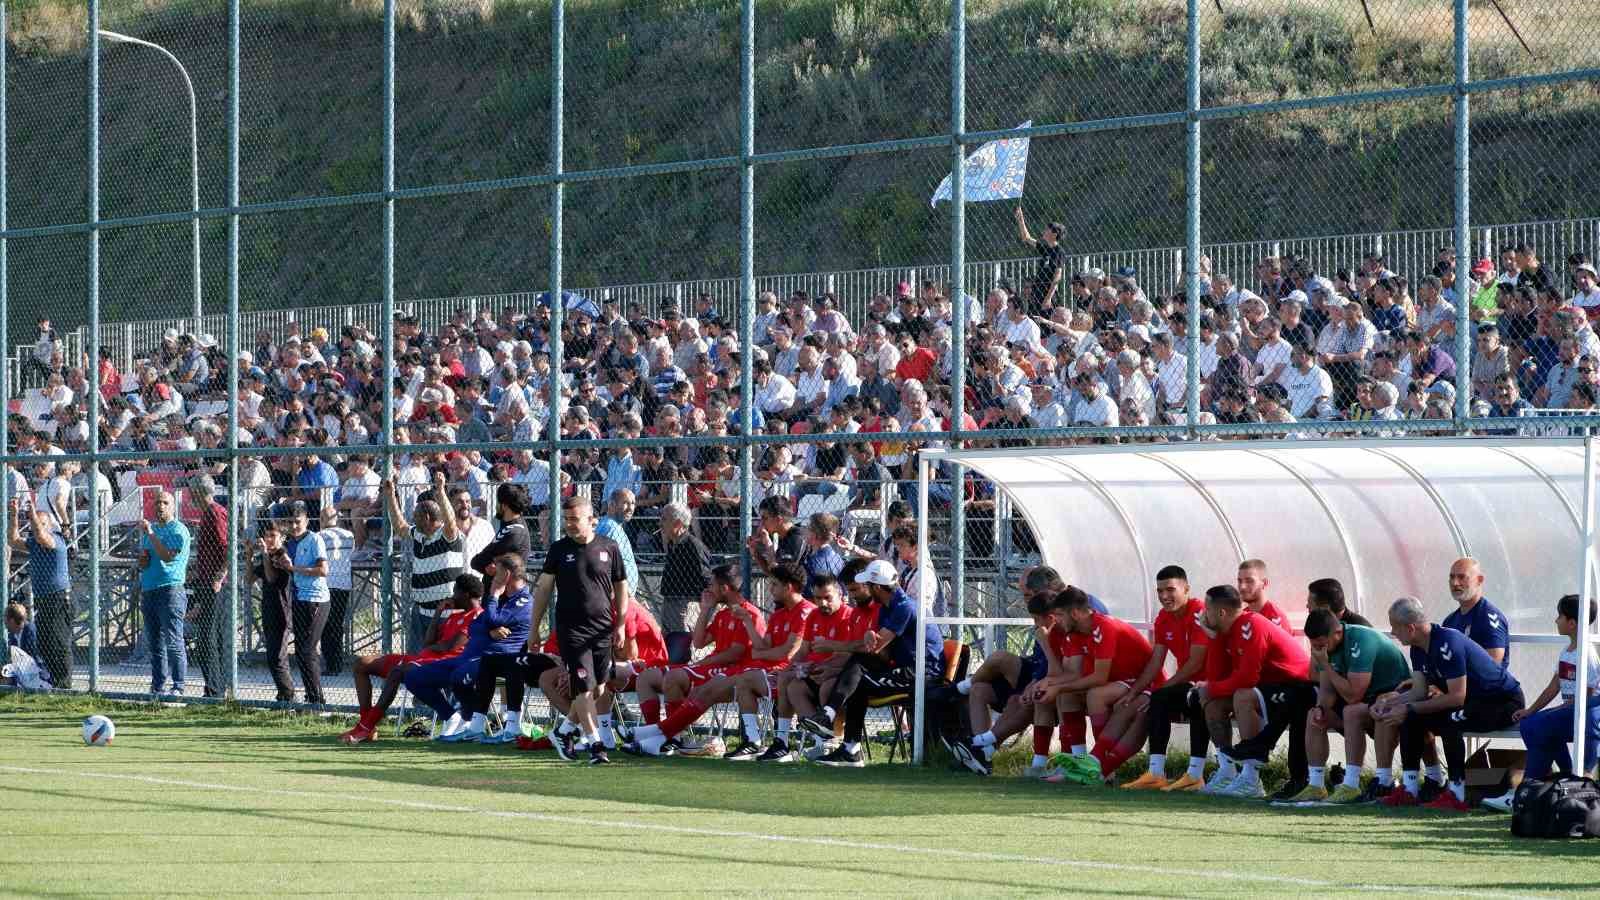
(98, 731)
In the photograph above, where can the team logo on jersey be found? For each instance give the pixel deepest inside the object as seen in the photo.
(582, 673)
(570, 558)
(1096, 635)
(1459, 715)
(523, 602)
(605, 556)
(1355, 651)
(1277, 697)
(1168, 638)
(1445, 654)
(1494, 621)
(1245, 631)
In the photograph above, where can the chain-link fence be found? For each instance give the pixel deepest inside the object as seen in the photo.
(255, 254)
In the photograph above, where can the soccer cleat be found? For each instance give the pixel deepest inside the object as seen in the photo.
(1218, 784)
(1307, 794)
(503, 736)
(1243, 788)
(841, 758)
(597, 755)
(1429, 791)
(566, 745)
(1398, 796)
(1185, 784)
(464, 736)
(358, 735)
(972, 758)
(1501, 803)
(713, 748)
(747, 751)
(1149, 781)
(1447, 802)
(1374, 792)
(1343, 794)
(779, 752)
(820, 725)
(1291, 790)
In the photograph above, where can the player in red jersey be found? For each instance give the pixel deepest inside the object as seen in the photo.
(730, 625)
(446, 636)
(1269, 683)
(643, 647)
(773, 652)
(830, 640)
(1252, 584)
(1114, 655)
(1179, 630)
(813, 667)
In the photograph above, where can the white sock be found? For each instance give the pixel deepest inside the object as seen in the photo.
(1158, 764)
(1041, 761)
(1459, 789)
(783, 729)
(1249, 772)
(590, 738)
(1197, 767)
(1409, 779)
(1435, 773)
(752, 726)
(1386, 777)
(983, 740)
(1080, 749)
(513, 722)
(452, 724)
(1318, 776)
(606, 735)
(852, 746)
(478, 722)
(1352, 776)
(964, 686)
(566, 727)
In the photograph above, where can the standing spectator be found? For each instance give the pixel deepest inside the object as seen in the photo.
(476, 532)
(685, 575)
(51, 586)
(613, 525)
(305, 558)
(1052, 262)
(275, 614)
(340, 545)
(205, 580)
(163, 564)
(436, 555)
(511, 505)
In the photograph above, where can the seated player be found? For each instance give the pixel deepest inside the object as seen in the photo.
(447, 635)
(1270, 686)
(828, 626)
(728, 623)
(829, 650)
(1328, 594)
(773, 652)
(1113, 655)
(1178, 630)
(502, 627)
(643, 647)
(518, 670)
(1252, 584)
(1354, 666)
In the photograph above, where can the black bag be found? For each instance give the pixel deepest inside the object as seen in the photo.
(1567, 806)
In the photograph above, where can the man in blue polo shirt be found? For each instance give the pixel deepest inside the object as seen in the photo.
(1475, 694)
(887, 667)
(1476, 617)
(305, 558)
(163, 565)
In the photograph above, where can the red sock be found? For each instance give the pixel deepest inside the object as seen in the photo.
(1115, 757)
(682, 717)
(651, 710)
(1099, 723)
(1041, 740)
(673, 706)
(1073, 732)
(1101, 748)
(370, 717)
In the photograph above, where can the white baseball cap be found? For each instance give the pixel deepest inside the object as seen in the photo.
(879, 572)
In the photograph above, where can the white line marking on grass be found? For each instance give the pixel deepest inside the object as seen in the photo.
(943, 852)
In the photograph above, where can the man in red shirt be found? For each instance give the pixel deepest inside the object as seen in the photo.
(1177, 630)
(1253, 586)
(1270, 679)
(829, 641)
(772, 655)
(1113, 655)
(447, 634)
(916, 362)
(729, 624)
(823, 650)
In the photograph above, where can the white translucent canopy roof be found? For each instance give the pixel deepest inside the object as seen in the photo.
(1385, 518)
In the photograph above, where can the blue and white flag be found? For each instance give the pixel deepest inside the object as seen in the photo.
(994, 171)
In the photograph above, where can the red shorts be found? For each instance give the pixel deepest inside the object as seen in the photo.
(699, 675)
(384, 665)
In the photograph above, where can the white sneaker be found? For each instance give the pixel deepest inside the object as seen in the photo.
(1501, 803)
(1244, 788)
(1218, 785)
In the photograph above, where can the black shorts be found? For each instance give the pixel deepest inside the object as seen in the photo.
(534, 665)
(587, 658)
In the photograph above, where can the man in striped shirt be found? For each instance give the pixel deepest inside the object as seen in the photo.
(436, 554)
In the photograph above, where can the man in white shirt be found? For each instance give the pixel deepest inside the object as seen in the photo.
(1020, 327)
(774, 393)
(357, 498)
(1587, 296)
(1272, 354)
(1093, 406)
(1307, 383)
(1172, 371)
(1047, 413)
(810, 385)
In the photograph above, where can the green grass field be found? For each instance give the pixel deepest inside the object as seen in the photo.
(211, 802)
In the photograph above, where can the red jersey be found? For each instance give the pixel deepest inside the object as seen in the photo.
(919, 365)
(728, 632)
(863, 620)
(1274, 615)
(836, 626)
(1108, 638)
(1181, 632)
(649, 644)
(787, 622)
(454, 624)
(1259, 652)
(550, 645)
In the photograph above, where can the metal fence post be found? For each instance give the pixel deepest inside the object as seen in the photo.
(958, 323)
(1463, 173)
(747, 277)
(236, 504)
(386, 567)
(94, 331)
(558, 64)
(5, 325)
(1191, 218)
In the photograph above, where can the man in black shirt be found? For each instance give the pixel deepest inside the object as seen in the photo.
(685, 575)
(511, 505)
(1328, 594)
(776, 529)
(584, 571)
(1052, 262)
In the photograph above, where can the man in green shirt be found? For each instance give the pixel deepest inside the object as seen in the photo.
(1353, 664)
